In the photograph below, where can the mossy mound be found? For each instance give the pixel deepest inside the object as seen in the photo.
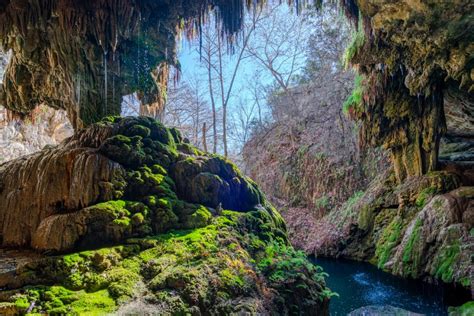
(463, 310)
(239, 263)
(164, 183)
(180, 232)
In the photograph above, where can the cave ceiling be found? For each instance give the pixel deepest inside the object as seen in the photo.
(83, 56)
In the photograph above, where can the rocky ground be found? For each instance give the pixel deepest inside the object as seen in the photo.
(130, 217)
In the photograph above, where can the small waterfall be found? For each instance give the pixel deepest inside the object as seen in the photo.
(105, 81)
(78, 89)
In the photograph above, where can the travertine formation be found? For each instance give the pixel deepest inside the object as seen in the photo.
(166, 228)
(410, 54)
(84, 56)
(55, 180)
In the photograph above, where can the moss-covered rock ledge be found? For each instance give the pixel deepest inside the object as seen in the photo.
(422, 228)
(133, 218)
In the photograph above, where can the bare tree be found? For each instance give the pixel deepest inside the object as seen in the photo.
(279, 44)
(207, 52)
(216, 50)
(188, 110)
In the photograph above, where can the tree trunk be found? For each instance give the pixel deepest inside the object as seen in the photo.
(223, 98)
(204, 139)
(213, 104)
(224, 127)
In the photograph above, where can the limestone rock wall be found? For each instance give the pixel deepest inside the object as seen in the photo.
(23, 137)
(45, 126)
(421, 228)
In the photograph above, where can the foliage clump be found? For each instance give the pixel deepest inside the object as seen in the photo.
(352, 106)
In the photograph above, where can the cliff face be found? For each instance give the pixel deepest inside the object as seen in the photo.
(416, 94)
(420, 229)
(411, 54)
(217, 245)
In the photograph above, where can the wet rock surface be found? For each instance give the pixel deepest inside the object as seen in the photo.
(419, 229)
(382, 311)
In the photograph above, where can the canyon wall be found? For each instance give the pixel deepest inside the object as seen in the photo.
(412, 100)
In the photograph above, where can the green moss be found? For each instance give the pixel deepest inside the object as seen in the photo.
(322, 202)
(123, 280)
(138, 219)
(466, 309)
(411, 257)
(446, 260)
(84, 270)
(466, 282)
(366, 217)
(352, 104)
(184, 268)
(190, 149)
(57, 300)
(157, 169)
(22, 303)
(96, 303)
(201, 217)
(424, 196)
(231, 279)
(116, 208)
(356, 43)
(138, 130)
(389, 239)
(282, 263)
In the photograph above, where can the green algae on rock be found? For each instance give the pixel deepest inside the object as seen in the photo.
(151, 234)
(417, 229)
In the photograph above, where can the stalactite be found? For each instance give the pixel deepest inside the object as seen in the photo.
(407, 67)
(55, 42)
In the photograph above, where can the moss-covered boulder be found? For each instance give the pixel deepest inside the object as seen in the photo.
(178, 231)
(422, 228)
